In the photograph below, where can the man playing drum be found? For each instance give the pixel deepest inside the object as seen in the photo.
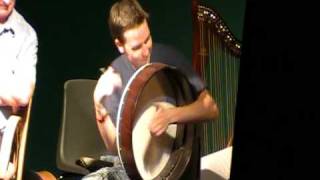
(128, 24)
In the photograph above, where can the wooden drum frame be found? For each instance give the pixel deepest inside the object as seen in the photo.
(150, 84)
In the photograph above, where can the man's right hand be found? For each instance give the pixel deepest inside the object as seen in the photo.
(8, 100)
(10, 172)
(107, 84)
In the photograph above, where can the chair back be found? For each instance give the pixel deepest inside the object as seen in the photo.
(79, 135)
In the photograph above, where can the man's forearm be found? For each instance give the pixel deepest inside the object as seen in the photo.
(204, 108)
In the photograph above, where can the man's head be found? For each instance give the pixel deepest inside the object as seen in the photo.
(130, 31)
(6, 7)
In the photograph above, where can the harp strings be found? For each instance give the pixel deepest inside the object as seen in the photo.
(220, 68)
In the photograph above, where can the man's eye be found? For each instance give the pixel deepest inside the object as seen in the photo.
(147, 40)
(136, 48)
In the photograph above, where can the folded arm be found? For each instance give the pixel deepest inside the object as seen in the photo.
(203, 109)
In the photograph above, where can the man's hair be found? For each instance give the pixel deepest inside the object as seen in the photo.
(124, 15)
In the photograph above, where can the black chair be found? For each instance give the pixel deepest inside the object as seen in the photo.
(80, 145)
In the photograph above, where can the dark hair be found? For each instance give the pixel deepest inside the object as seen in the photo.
(124, 15)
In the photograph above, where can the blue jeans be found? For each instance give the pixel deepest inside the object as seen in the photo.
(117, 172)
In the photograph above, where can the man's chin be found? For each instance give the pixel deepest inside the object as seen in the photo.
(142, 64)
(4, 13)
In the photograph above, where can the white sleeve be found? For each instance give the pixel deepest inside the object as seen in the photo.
(27, 59)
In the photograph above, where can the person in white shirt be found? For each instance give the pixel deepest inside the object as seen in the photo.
(18, 58)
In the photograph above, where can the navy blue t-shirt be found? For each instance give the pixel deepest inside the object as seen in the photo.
(161, 54)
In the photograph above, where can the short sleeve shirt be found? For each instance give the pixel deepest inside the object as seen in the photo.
(161, 54)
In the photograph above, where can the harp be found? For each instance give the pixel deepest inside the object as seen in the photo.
(215, 56)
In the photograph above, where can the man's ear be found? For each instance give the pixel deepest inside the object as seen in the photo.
(119, 45)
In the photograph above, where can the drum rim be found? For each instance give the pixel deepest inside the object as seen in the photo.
(119, 119)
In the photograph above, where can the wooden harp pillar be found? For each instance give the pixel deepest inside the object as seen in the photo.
(19, 141)
(216, 57)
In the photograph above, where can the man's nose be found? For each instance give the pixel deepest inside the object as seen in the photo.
(146, 50)
(5, 2)
(2, 2)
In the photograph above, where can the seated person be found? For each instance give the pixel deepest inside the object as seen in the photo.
(128, 24)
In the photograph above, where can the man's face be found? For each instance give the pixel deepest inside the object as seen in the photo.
(137, 45)
(6, 7)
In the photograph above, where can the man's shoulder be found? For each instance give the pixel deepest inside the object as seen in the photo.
(122, 65)
(118, 61)
(167, 54)
(21, 23)
(165, 47)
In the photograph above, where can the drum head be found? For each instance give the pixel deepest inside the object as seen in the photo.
(144, 156)
(151, 153)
